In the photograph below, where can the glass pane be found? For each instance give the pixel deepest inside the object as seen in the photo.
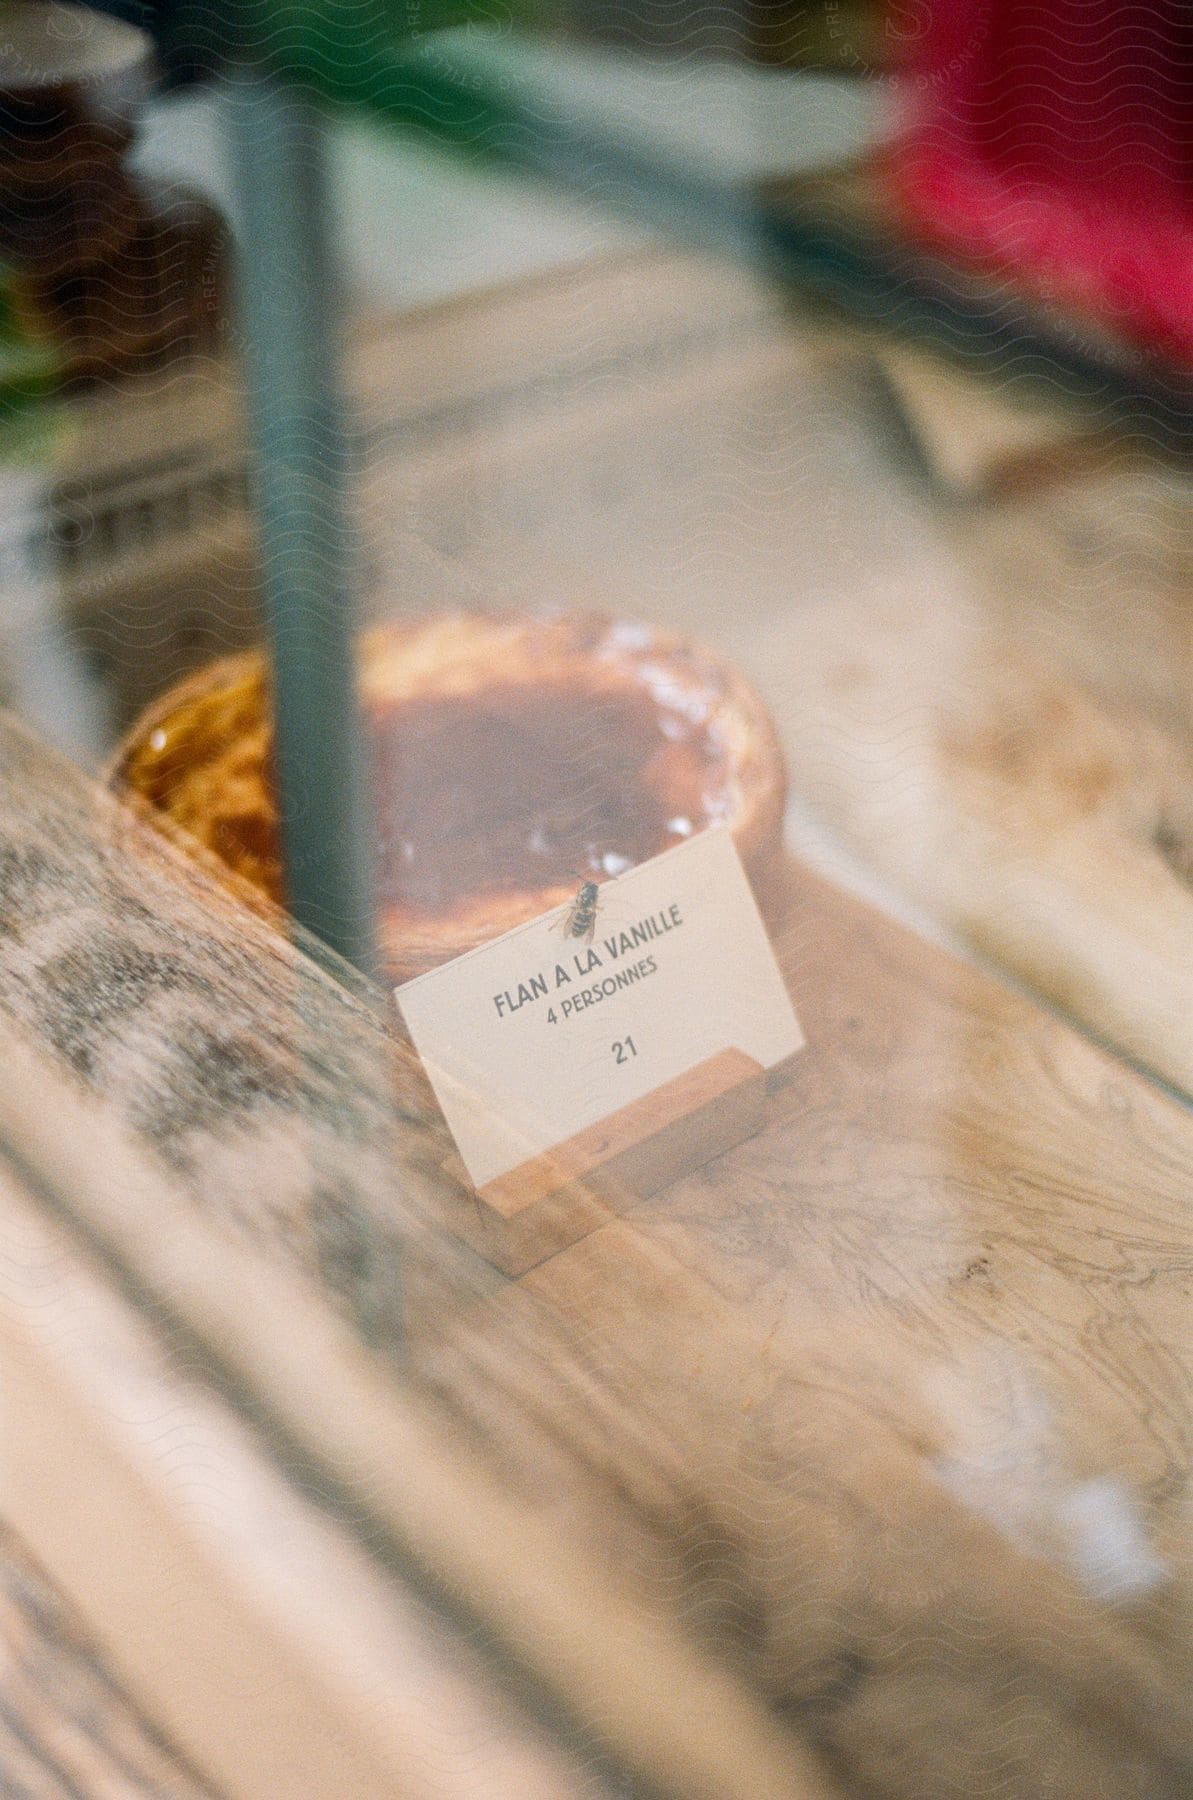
(737, 442)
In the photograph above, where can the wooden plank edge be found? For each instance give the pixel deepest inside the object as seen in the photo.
(586, 1644)
(248, 1625)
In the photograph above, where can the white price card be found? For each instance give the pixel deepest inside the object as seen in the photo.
(564, 1021)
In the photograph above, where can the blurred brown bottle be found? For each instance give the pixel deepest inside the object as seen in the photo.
(115, 272)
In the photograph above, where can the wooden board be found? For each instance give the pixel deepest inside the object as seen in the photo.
(557, 1198)
(67, 1728)
(259, 1141)
(888, 1410)
(284, 1661)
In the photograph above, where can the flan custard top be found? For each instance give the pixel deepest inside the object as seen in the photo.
(531, 788)
(522, 786)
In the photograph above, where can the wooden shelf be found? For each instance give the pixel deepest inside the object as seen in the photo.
(908, 1368)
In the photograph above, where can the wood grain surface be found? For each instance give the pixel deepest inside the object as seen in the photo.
(291, 1285)
(1031, 813)
(228, 1588)
(888, 1409)
(66, 1727)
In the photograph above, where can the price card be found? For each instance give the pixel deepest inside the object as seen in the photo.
(587, 1011)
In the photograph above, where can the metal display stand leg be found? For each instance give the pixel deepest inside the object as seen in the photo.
(287, 307)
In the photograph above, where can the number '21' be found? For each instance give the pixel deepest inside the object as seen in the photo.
(623, 1049)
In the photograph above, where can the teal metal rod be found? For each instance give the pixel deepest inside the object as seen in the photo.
(287, 309)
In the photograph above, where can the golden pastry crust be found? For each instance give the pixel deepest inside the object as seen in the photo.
(632, 738)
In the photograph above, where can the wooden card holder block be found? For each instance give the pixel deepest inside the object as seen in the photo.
(553, 1200)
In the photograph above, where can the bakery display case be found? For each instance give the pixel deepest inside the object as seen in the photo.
(594, 902)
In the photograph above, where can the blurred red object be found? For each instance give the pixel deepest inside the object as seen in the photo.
(1054, 142)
